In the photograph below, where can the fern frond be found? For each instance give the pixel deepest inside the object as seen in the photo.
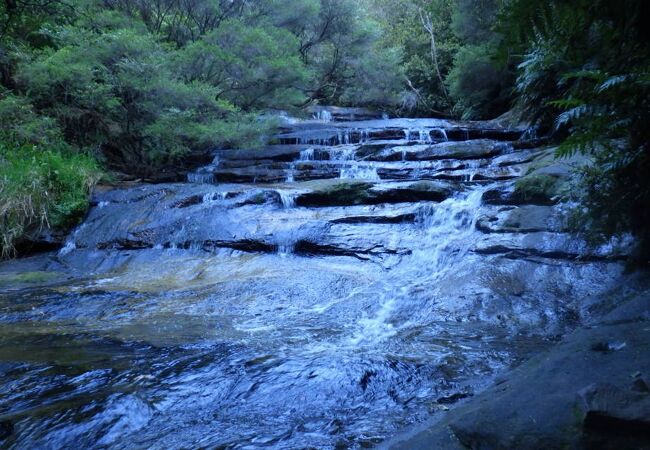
(566, 103)
(613, 82)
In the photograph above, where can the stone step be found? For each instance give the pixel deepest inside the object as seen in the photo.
(425, 130)
(548, 245)
(345, 192)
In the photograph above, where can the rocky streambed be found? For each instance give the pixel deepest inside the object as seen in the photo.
(329, 290)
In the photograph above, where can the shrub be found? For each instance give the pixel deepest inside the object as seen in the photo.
(41, 188)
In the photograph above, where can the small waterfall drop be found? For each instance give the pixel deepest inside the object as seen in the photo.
(290, 172)
(449, 228)
(323, 115)
(307, 154)
(287, 199)
(377, 328)
(205, 174)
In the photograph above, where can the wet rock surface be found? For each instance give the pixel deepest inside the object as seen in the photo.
(571, 396)
(325, 291)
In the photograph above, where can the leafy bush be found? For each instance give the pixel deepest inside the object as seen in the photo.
(587, 73)
(41, 188)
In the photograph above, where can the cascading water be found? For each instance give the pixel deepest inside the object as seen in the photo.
(205, 174)
(290, 172)
(350, 168)
(288, 199)
(449, 229)
(307, 154)
(227, 317)
(323, 115)
(472, 167)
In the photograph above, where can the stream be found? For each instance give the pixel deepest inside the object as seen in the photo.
(325, 291)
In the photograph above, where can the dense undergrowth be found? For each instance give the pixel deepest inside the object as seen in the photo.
(42, 188)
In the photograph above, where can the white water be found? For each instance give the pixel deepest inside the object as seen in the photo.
(212, 198)
(377, 328)
(472, 165)
(307, 154)
(350, 168)
(204, 175)
(323, 115)
(449, 228)
(67, 248)
(357, 171)
(290, 172)
(448, 233)
(288, 199)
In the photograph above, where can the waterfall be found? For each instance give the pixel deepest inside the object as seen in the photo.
(377, 328)
(290, 172)
(205, 174)
(306, 154)
(424, 136)
(418, 134)
(342, 154)
(350, 168)
(449, 227)
(67, 248)
(323, 115)
(472, 166)
(288, 199)
(200, 177)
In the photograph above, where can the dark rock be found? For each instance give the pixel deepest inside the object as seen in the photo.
(453, 398)
(6, 429)
(608, 408)
(523, 219)
(498, 134)
(464, 150)
(188, 201)
(246, 245)
(285, 153)
(530, 143)
(340, 194)
(399, 218)
(361, 193)
(124, 244)
(508, 195)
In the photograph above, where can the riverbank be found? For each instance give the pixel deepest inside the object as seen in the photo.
(590, 391)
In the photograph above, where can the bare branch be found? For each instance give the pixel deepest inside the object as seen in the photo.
(425, 18)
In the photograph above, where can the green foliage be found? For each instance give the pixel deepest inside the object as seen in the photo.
(253, 67)
(403, 26)
(21, 124)
(41, 188)
(477, 83)
(586, 74)
(142, 83)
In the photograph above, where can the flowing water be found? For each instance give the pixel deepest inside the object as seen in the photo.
(242, 316)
